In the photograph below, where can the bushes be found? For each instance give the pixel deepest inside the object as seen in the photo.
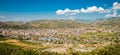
(108, 50)
(2, 38)
(7, 49)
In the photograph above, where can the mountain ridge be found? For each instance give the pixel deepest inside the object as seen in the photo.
(109, 22)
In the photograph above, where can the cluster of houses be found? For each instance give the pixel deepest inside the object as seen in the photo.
(52, 35)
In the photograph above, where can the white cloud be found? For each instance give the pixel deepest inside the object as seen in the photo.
(114, 9)
(82, 10)
(109, 15)
(116, 6)
(72, 13)
(93, 9)
(65, 11)
(59, 12)
(100, 9)
(68, 12)
(75, 11)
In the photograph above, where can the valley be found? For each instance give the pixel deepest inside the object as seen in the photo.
(61, 37)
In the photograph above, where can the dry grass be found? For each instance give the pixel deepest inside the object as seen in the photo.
(17, 43)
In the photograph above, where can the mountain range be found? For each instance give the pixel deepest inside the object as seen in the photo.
(107, 23)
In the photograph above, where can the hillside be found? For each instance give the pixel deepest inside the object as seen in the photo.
(105, 23)
(15, 25)
(71, 37)
(57, 24)
(45, 24)
(109, 23)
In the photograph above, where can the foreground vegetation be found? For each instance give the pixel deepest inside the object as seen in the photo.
(7, 49)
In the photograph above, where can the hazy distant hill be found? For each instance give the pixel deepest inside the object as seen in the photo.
(57, 24)
(16, 25)
(45, 24)
(109, 23)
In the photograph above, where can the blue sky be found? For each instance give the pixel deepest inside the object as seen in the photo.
(27, 10)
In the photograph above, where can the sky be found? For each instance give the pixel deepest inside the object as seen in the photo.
(29, 10)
